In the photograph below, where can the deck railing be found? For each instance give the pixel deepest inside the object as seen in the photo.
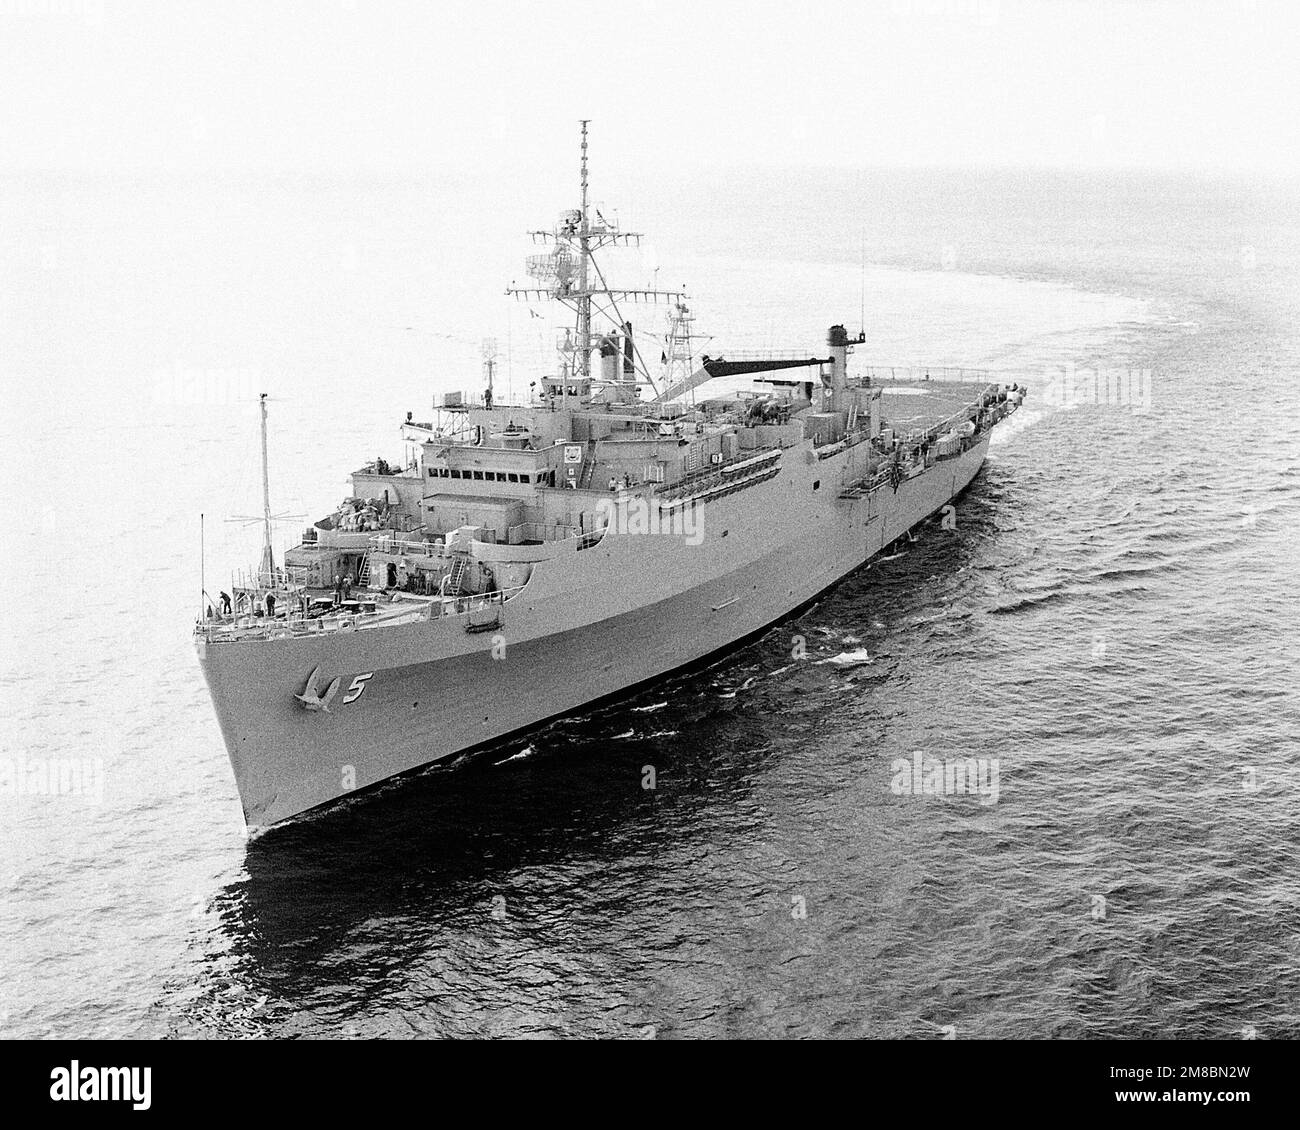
(406, 547)
(879, 372)
(540, 532)
(516, 535)
(244, 628)
(289, 579)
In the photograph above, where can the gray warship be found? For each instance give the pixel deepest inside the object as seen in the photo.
(528, 559)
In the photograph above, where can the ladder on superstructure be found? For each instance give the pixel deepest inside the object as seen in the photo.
(457, 575)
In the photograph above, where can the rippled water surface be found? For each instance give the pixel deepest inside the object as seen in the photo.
(1113, 620)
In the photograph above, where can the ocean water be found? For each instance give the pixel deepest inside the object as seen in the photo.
(1111, 623)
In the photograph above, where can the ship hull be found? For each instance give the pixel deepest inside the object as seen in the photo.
(435, 690)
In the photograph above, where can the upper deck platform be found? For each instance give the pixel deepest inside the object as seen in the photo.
(929, 405)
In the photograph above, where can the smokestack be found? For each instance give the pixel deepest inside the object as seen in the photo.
(838, 340)
(609, 359)
(629, 362)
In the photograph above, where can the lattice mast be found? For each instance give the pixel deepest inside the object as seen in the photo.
(571, 276)
(679, 350)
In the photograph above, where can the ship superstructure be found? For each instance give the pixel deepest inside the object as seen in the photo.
(529, 558)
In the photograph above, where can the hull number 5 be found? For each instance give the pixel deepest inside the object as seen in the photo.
(358, 685)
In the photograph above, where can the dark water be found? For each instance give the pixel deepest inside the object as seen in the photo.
(1112, 620)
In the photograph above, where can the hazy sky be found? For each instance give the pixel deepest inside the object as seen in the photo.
(348, 84)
